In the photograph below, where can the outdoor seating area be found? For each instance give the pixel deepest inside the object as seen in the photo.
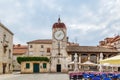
(94, 76)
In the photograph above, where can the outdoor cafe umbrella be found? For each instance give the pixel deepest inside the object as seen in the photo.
(71, 63)
(88, 63)
(111, 65)
(112, 60)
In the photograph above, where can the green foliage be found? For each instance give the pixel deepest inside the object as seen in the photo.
(22, 59)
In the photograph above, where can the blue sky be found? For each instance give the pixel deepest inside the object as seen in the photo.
(87, 21)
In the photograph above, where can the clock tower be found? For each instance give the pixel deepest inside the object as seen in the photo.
(59, 44)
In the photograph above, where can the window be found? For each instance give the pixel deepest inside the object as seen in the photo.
(31, 46)
(4, 38)
(44, 65)
(9, 53)
(27, 65)
(9, 66)
(42, 46)
(84, 57)
(93, 58)
(48, 50)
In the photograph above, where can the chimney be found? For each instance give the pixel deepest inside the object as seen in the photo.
(19, 45)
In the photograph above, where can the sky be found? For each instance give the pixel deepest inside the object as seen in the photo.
(87, 21)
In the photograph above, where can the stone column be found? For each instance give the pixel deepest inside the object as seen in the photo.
(98, 57)
(88, 57)
(79, 61)
(100, 66)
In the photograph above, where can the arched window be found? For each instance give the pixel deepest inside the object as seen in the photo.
(110, 55)
(84, 57)
(104, 56)
(93, 58)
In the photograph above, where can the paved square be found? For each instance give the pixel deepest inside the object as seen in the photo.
(40, 76)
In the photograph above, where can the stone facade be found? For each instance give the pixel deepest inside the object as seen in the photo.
(61, 52)
(111, 42)
(59, 44)
(40, 48)
(18, 51)
(35, 67)
(6, 48)
(89, 53)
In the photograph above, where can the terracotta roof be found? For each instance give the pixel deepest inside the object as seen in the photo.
(89, 49)
(59, 24)
(116, 38)
(72, 44)
(43, 41)
(108, 40)
(19, 49)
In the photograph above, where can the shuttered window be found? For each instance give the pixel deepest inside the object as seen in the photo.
(27, 65)
(44, 65)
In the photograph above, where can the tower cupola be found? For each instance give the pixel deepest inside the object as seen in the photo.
(59, 24)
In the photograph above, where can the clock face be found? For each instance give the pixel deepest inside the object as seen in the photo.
(59, 35)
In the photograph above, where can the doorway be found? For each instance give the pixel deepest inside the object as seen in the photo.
(118, 68)
(4, 68)
(58, 67)
(36, 68)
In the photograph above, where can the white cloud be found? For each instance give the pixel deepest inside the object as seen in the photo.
(29, 17)
(42, 33)
(16, 40)
(85, 27)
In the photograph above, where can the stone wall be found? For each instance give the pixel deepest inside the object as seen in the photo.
(6, 48)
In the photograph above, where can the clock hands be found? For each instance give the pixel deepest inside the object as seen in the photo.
(59, 35)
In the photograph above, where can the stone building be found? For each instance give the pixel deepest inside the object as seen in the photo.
(61, 52)
(6, 48)
(38, 48)
(18, 51)
(111, 42)
(89, 53)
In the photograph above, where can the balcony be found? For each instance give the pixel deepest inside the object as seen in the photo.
(5, 44)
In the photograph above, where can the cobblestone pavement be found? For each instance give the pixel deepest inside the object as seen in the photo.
(40, 76)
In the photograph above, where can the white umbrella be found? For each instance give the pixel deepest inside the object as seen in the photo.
(111, 65)
(89, 63)
(70, 63)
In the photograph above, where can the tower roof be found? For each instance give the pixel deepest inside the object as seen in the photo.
(59, 24)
